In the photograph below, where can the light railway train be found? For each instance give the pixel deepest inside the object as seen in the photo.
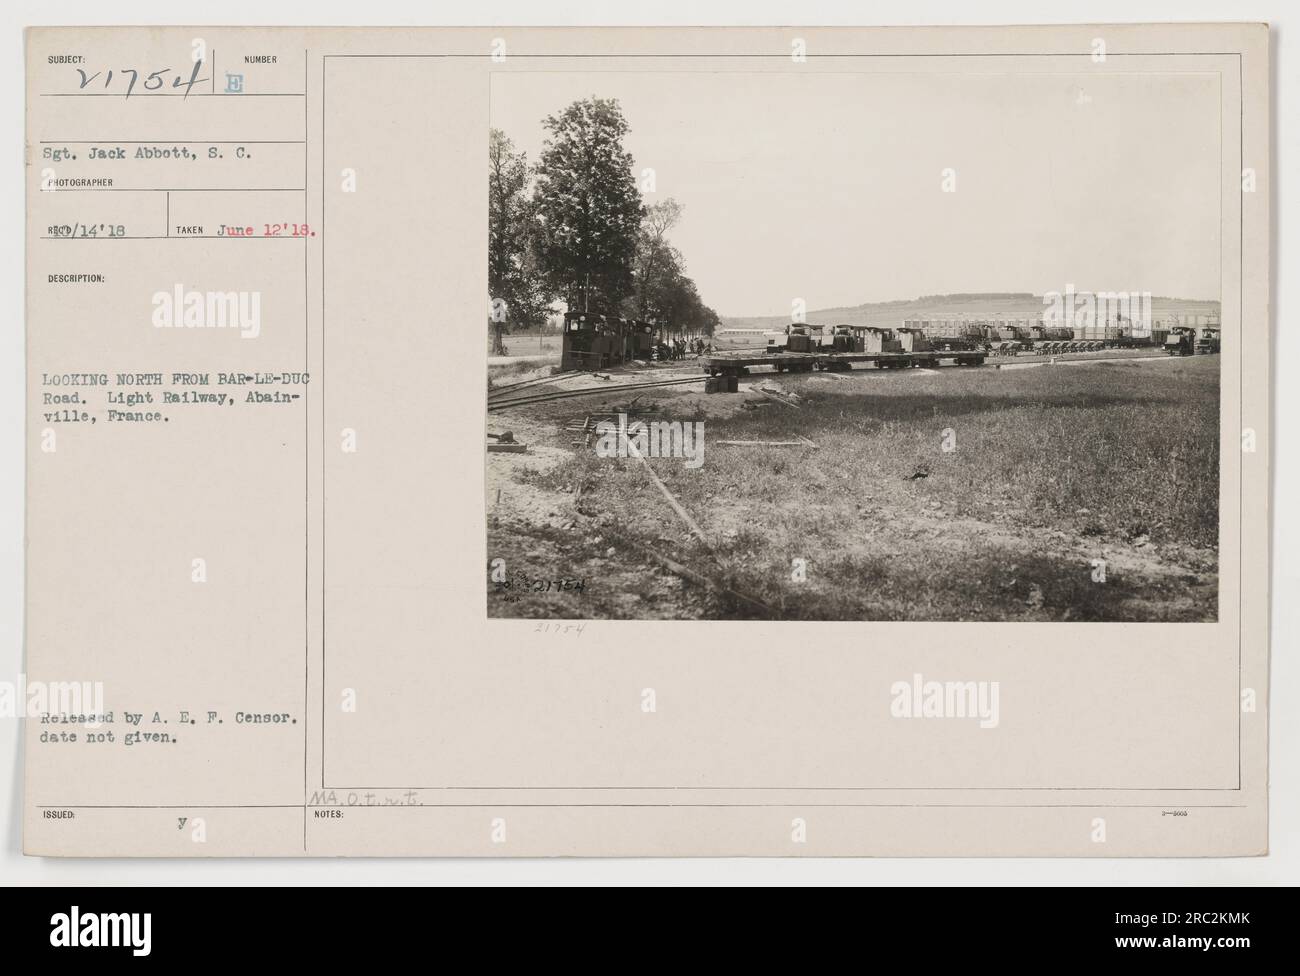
(594, 341)
(809, 347)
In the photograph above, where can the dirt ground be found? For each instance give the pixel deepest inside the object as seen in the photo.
(1087, 493)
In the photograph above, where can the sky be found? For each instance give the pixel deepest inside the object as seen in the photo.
(829, 186)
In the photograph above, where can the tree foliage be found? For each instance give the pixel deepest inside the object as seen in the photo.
(575, 229)
(664, 293)
(514, 270)
(588, 204)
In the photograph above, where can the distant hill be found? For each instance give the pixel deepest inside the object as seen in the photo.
(1011, 305)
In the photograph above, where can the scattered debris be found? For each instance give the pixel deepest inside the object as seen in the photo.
(699, 578)
(798, 443)
(663, 489)
(788, 399)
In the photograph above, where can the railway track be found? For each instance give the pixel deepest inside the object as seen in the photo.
(519, 401)
(497, 391)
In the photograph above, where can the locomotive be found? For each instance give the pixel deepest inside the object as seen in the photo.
(1181, 341)
(595, 341)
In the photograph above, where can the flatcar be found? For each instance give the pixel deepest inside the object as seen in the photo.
(846, 346)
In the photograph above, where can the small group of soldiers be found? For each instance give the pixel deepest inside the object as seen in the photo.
(666, 350)
(670, 349)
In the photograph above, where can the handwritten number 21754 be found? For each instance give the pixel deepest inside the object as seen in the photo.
(153, 81)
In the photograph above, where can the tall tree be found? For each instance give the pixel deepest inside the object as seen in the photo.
(516, 285)
(682, 308)
(709, 322)
(657, 262)
(653, 297)
(588, 205)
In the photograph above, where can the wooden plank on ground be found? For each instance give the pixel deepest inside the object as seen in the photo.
(764, 443)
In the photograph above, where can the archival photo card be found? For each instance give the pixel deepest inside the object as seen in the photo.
(611, 442)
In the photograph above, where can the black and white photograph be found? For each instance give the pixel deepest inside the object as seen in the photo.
(854, 345)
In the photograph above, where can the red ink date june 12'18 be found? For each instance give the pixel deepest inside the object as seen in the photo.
(268, 230)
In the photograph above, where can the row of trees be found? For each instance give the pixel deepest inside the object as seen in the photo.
(574, 229)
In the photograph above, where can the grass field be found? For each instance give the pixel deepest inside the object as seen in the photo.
(530, 344)
(1055, 475)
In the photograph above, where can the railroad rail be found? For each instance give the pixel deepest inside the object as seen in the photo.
(496, 391)
(519, 401)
